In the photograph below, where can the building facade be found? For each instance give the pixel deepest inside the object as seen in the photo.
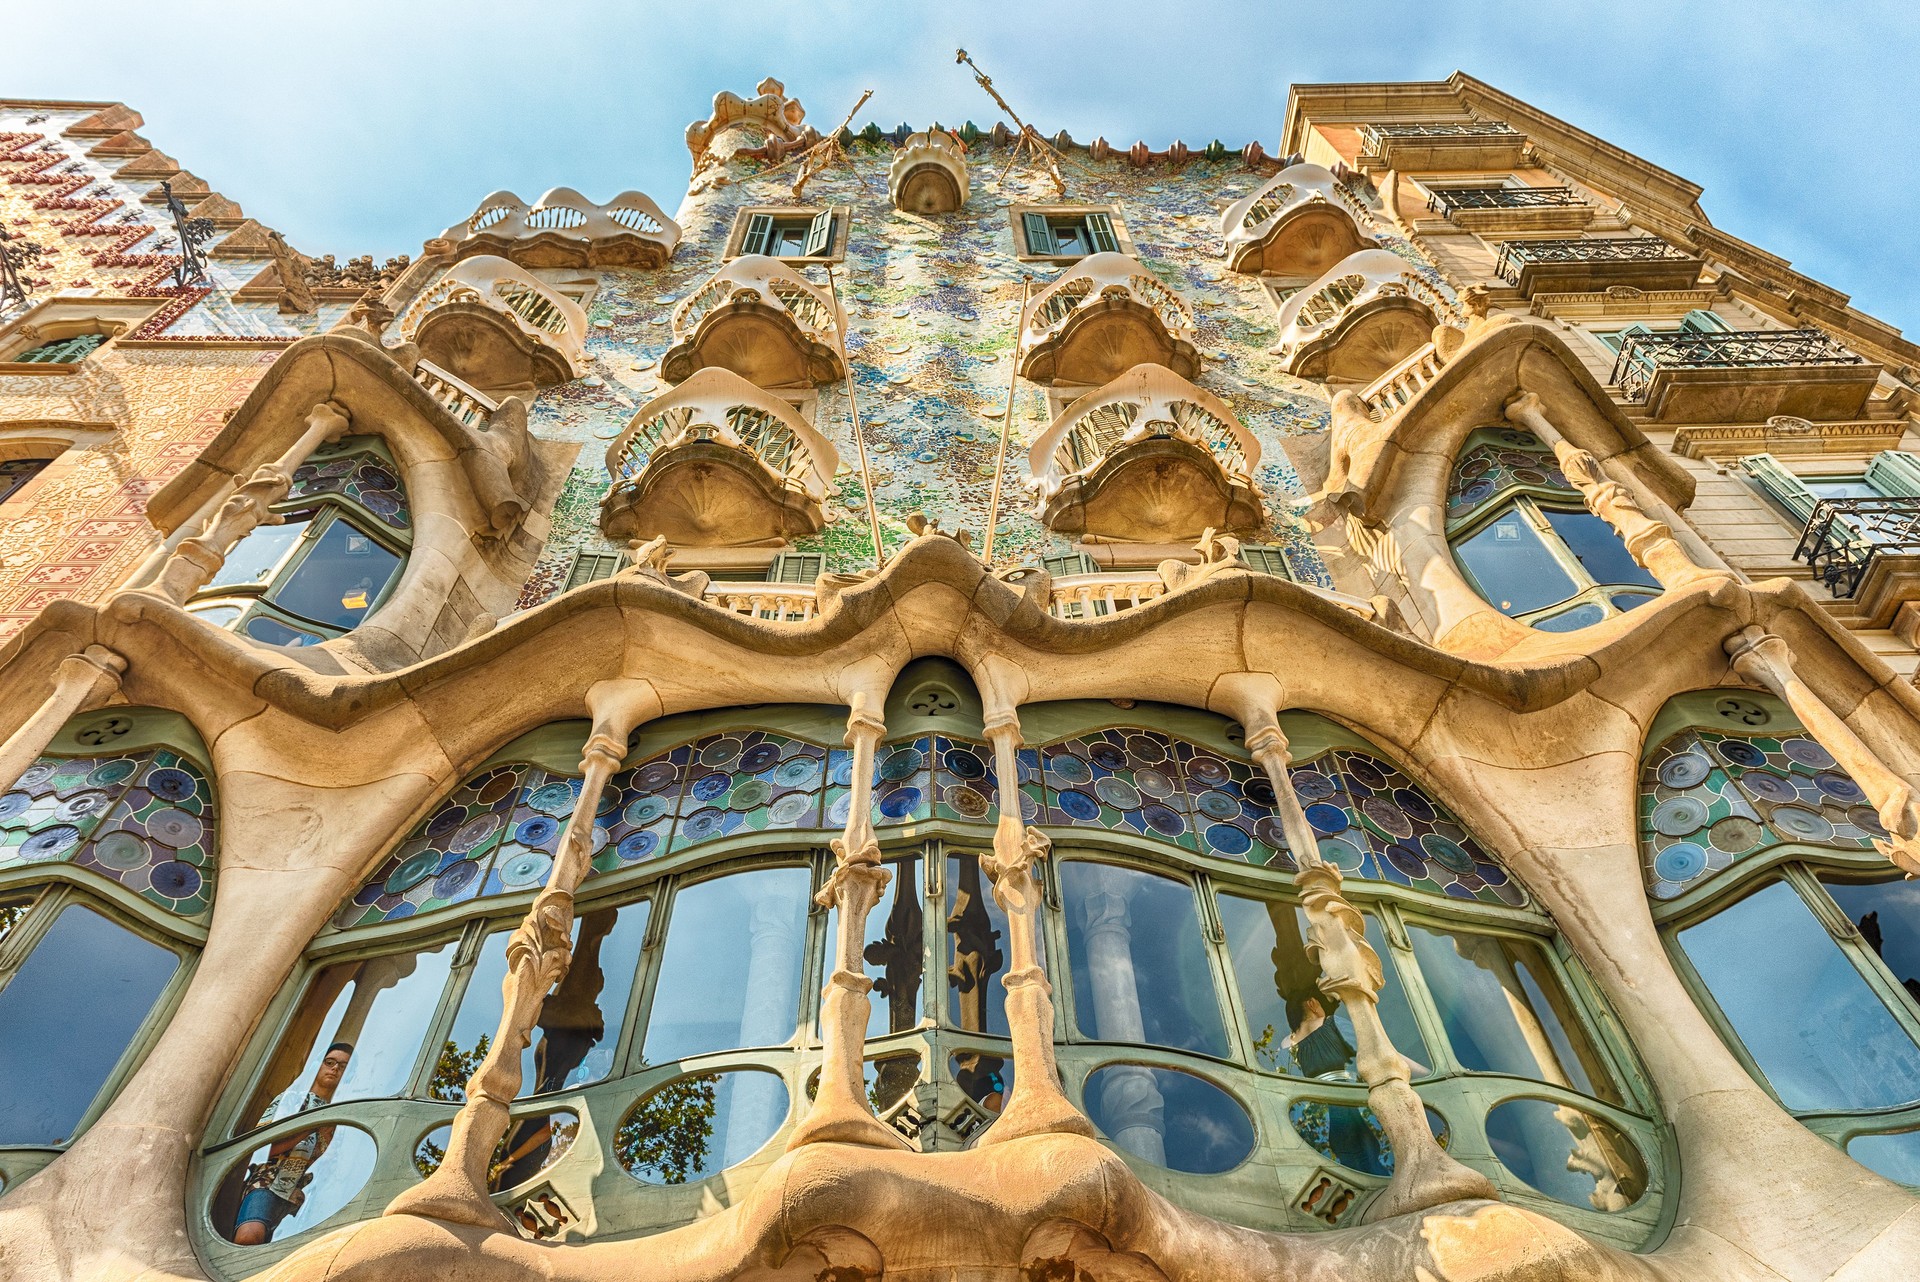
(964, 705)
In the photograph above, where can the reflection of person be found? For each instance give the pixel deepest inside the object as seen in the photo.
(1318, 1046)
(274, 1187)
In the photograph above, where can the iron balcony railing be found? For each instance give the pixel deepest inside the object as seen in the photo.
(1844, 536)
(1517, 255)
(1376, 135)
(1644, 355)
(1447, 201)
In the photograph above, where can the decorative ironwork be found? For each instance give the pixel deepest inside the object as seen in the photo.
(1376, 135)
(193, 234)
(1517, 255)
(1446, 201)
(1643, 355)
(1844, 536)
(14, 252)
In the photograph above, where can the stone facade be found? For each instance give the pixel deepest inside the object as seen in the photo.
(989, 706)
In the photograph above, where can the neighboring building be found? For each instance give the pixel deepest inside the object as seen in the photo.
(1341, 716)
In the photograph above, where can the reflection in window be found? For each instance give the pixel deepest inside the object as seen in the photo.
(530, 1146)
(292, 1184)
(342, 574)
(889, 1080)
(84, 990)
(1140, 971)
(987, 1079)
(1505, 1012)
(894, 954)
(1294, 1026)
(579, 1020)
(1895, 1156)
(1567, 1153)
(1887, 914)
(699, 1126)
(1352, 1135)
(1815, 1029)
(976, 953)
(1173, 1119)
(380, 1007)
(730, 971)
(1511, 566)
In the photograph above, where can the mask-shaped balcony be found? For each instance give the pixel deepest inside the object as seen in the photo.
(760, 319)
(929, 174)
(716, 462)
(1296, 224)
(1585, 265)
(1359, 320)
(497, 328)
(1103, 317)
(1149, 458)
(565, 229)
(1743, 377)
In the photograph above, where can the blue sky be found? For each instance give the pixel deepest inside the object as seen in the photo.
(356, 126)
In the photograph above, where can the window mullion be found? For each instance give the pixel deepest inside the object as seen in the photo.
(1879, 977)
(1426, 1011)
(1226, 995)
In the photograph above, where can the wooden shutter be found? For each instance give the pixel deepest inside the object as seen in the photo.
(759, 228)
(1782, 486)
(796, 567)
(1039, 235)
(1895, 474)
(1267, 560)
(819, 236)
(1067, 563)
(1100, 234)
(1698, 322)
(588, 566)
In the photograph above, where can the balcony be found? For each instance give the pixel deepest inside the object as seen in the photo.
(1104, 316)
(929, 174)
(763, 321)
(1745, 377)
(1866, 551)
(1511, 209)
(1297, 223)
(497, 329)
(1586, 265)
(1148, 458)
(716, 462)
(1441, 144)
(565, 229)
(1361, 319)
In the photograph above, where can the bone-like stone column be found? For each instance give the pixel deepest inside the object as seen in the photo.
(840, 1112)
(1763, 659)
(81, 683)
(1038, 1105)
(1649, 541)
(538, 954)
(195, 562)
(1424, 1174)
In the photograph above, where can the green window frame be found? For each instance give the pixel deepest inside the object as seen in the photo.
(62, 351)
(588, 567)
(1068, 234)
(801, 235)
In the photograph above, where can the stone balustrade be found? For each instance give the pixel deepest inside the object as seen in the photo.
(467, 404)
(1401, 382)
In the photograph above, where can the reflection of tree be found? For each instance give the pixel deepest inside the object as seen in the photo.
(455, 1068)
(10, 915)
(529, 1147)
(668, 1132)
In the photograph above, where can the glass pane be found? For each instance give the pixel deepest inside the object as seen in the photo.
(579, 1022)
(378, 1009)
(698, 1126)
(1352, 1135)
(263, 627)
(1511, 566)
(1567, 1154)
(1295, 1027)
(1839, 487)
(730, 971)
(1819, 1033)
(1140, 970)
(339, 578)
(1895, 1156)
(789, 240)
(1505, 1012)
(1069, 237)
(1888, 915)
(1597, 546)
(895, 953)
(1177, 1120)
(977, 955)
(219, 615)
(253, 558)
(292, 1184)
(530, 1146)
(1584, 615)
(86, 988)
(987, 1080)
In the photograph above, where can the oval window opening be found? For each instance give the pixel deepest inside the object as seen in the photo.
(700, 1125)
(1170, 1118)
(292, 1184)
(530, 1146)
(1351, 1135)
(1895, 1156)
(1567, 1153)
(890, 1080)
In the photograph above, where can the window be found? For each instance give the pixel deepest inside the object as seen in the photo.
(590, 566)
(1891, 474)
(1067, 232)
(1526, 542)
(1694, 322)
(63, 351)
(332, 560)
(17, 473)
(808, 234)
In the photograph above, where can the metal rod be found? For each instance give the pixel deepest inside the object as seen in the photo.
(859, 437)
(1006, 424)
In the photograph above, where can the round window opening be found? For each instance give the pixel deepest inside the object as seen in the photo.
(1170, 1118)
(531, 1145)
(700, 1125)
(292, 1183)
(1351, 1135)
(1568, 1153)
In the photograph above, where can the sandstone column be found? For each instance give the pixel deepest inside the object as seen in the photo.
(81, 682)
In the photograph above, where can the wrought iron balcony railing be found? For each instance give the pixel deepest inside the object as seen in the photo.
(1644, 355)
(1447, 201)
(1843, 538)
(1375, 135)
(1517, 255)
